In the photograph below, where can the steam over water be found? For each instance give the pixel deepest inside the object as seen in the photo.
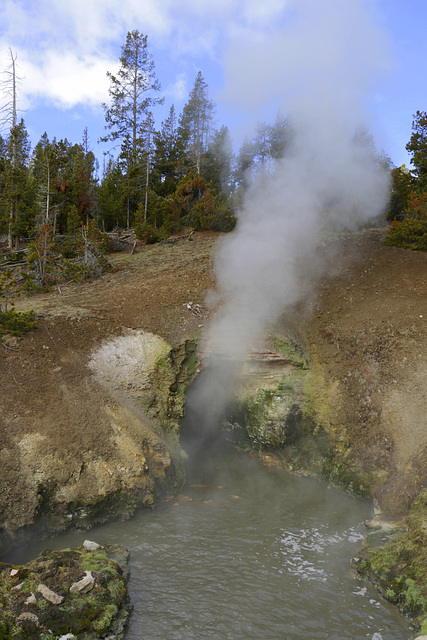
(246, 553)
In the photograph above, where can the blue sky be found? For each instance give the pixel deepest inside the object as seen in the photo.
(65, 47)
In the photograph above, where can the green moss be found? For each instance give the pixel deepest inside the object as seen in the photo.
(174, 370)
(346, 471)
(261, 429)
(86, 615)
(104, 621)
(399, 568)
(287, 349)
(414, 600)
(95, 561)
(117, 589)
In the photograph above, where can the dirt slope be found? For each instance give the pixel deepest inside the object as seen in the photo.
(146, 291)
(367, 326)
(369, 330)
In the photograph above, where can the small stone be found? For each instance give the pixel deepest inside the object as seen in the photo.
(372, 524)
(18, 587)
(49, 595)
(29, 617)
(84, 585)
(13, 572)
(90, 545)
(384, 525)
(31, 599)
(68, 636)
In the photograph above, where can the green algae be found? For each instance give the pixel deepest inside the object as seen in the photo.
(288, 349)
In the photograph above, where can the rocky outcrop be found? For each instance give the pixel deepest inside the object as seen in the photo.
(288, 407)
(41, 599)
(137, 382)
(146, 374)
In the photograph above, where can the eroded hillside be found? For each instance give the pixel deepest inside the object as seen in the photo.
(363, 328)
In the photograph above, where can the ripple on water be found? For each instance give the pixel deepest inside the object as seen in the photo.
(272, 565)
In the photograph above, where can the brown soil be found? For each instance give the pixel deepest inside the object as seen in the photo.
(368, 326)
(369, 330)
(147, 291)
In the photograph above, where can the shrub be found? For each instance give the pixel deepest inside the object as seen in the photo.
(149, 234)
(411, 232)
(17, 323)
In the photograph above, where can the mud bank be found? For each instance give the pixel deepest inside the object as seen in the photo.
(77, 446)
(137, 383)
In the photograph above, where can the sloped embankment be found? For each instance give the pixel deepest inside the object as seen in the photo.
(141, 381)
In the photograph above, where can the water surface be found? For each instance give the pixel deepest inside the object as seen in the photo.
(247, 552)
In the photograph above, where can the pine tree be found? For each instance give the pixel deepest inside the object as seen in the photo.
(280, 137)
(244, 162)
(131, 92)
(196, 120)
(169, 156)
(417, 147)
(53, 165)
(112, 196)
(9, 117)
(147, 133)
(218, 170)
(16, 196)
(83, 178)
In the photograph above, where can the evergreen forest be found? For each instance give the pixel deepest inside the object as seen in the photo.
(157, 180)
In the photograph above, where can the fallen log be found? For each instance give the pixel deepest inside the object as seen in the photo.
(12, 265)
(176, 238)
(10, 251)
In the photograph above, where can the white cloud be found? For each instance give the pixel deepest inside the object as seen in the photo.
(67, 80)
(263, 13)
(65, 47)
(179, 89)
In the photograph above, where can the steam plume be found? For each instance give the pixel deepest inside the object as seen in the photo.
(318, 68)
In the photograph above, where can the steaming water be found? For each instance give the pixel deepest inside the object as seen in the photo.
(252, 554)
